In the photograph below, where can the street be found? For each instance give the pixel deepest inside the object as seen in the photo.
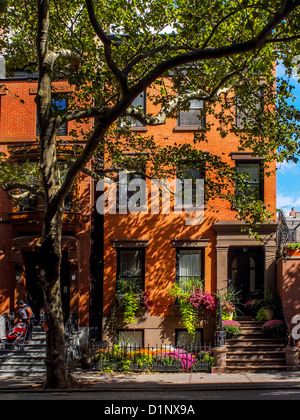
(172, 399)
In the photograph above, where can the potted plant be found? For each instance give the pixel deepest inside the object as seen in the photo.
(293, 249)
(274, 328)
(130, 297)
(194, 303)
(228, 303)
(231, 327)
(269, 305)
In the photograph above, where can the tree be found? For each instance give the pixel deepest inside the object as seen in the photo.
(111, 51)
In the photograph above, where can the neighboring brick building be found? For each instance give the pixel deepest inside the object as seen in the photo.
(157, 248)
(293, 225)
(20, 225)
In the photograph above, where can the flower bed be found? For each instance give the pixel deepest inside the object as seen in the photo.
(152, 359)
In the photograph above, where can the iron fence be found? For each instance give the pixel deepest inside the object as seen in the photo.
(114, 358)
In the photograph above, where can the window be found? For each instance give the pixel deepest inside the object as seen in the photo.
(255, 184)
(194, 117)
(140, 103)
(28, 204)
(61, 105)
(58, 105)
(186, 171)
(184, 339)
(131, 266)
(130, 338)
(243, 111)
(123, 194)
(190, 264)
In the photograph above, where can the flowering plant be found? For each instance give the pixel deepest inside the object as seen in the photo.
(274, 328)
(203, 299)
(228, 310)
(232, 327)
(191, 297)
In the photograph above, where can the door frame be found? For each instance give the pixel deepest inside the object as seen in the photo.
(243, 255)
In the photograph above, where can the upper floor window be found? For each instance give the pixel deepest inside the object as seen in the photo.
(189, 266)
(61, 105)
(194, 117)
(187, 170)
(58, 105)
(131, 266)
(254, 187)
(139, 103)
(244, 111)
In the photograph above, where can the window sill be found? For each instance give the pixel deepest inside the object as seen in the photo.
(142, 129)
(188, 128)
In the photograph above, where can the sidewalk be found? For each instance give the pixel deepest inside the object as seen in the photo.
(99, 381)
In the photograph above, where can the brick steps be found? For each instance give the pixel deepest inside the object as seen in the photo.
(251, 351)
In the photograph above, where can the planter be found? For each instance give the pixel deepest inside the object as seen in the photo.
(227, 315)
(269, 313)
(293, 252)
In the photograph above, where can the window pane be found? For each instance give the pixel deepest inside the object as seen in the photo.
(194, 116)
(186, 339)
(131, 266)
(253, 184)
(130, 338)
(189, 266)
(61, 105)
(253, 169)
(139, 102)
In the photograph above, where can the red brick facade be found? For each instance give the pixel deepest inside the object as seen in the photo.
(160, 234)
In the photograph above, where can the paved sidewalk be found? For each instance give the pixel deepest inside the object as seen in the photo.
(118, 381)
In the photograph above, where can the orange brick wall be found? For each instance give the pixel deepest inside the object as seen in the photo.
(160, 229)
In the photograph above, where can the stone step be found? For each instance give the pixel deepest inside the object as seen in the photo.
(252, 351)
(26, 362)
(253, 341)
(256, 355)
(22, 367)
(256, 362)
(254, 369)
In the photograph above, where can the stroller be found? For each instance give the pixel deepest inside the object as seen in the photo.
(16, 338)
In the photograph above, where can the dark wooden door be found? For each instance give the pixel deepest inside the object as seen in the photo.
(246, 271)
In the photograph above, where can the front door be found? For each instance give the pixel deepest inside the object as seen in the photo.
(246, 272)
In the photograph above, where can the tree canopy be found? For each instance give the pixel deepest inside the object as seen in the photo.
(223, 52)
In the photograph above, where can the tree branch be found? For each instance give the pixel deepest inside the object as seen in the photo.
(121, 77)
(53, 56)
(29, 189)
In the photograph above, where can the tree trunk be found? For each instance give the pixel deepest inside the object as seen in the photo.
(49, 262)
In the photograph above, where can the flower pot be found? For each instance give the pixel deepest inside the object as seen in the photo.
(226, 315)
(269, 313)
(293, 252)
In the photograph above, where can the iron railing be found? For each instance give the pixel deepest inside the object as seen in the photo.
(6, 323)
(72, 339)
(220, 334)
(161, 358)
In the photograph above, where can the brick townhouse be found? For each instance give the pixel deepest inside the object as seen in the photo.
(155, 249)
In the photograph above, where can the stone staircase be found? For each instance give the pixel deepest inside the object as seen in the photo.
(252, 351)
(27, 362)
